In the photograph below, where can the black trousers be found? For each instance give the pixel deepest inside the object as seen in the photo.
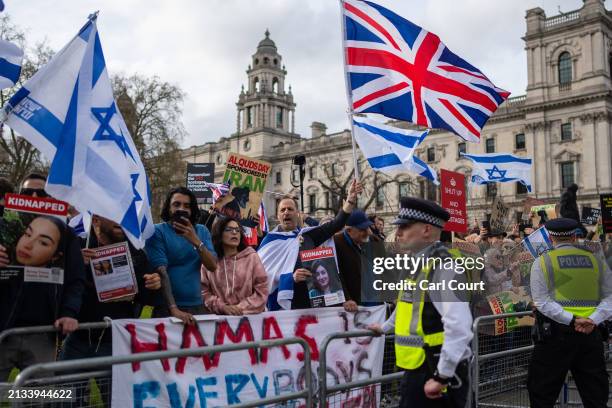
(579, 353)
(412, 394)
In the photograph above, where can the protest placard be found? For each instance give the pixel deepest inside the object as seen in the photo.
(606, 212)
(113, 272)
(198, 177)
(453, 200)
(510, 301)
(227, 378)
(590, 215)
(543, 213)
(33, 230)
(247, 180)
(324, 287)
(499, 215)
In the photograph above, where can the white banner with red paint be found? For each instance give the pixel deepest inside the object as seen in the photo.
(227, 378)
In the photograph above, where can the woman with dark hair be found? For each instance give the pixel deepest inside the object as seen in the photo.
(42, 243)
(177, 250)
(322, 280)
(239, 286)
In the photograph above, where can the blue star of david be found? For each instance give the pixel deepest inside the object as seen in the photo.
(105, 132)
(502, 173)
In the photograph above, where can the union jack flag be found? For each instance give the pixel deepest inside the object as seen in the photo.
(397, 69)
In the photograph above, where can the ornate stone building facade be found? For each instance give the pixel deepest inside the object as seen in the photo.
(562, 122)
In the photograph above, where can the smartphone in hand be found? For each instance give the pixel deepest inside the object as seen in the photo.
(178, 215)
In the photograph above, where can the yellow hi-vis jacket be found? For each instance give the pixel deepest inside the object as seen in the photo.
(573, 277)
(417, 324)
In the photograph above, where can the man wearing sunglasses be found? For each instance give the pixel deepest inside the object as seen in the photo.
(39, 304)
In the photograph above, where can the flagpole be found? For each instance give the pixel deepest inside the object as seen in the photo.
(349, 112)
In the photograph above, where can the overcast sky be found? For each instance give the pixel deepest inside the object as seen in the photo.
(205, 46)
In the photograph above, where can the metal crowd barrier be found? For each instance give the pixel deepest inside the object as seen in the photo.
(389, 395)
(500, 363)
(21, 331)
(306, 394)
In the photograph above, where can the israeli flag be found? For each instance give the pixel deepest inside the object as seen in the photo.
(389, 149)
(11, 57)
(68, 112)
(538, 242)
(500, 168)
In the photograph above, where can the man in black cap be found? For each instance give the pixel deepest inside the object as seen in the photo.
(572, 291)
(350, 256)
(433, 328)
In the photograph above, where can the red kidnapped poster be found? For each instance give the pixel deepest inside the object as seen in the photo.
(454, 200)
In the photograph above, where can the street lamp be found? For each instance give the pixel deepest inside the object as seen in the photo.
(300, 161)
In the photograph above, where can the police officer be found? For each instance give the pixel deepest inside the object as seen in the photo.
(572, 291)
(433, 329)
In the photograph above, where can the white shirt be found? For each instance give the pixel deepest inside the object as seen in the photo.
(456, 320)
(544, 300)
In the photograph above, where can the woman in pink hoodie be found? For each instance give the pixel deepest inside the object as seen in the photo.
(239, 286)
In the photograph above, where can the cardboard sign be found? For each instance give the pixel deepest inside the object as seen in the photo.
(198, 175)
(527, 204)
(324, 287)
(543, 213)
(590, 215)
(510, 302)
(113, 272)
(499, 215)
(227, 378)
(606, 212)
(32, 230)
(247, 180)
(453, 199)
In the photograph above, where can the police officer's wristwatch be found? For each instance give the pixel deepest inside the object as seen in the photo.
(573, 322)
(438, 378)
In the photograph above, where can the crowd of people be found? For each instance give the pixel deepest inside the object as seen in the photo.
(198, 262)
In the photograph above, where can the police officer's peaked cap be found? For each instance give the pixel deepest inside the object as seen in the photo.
(416, 209)
(561, 227)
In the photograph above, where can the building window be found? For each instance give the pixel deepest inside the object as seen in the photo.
(490, 145)
(566, 132)
(380, 197)
(567, 174)
(432, 191)
(219, 159)
(431, 154)
(519, 141)
(565, 70)
(275, 84)
(249, 112)
(256, 85)
(278, 179)
(461, 148)
(279, 118)
(491, 190)
(246, 145)
(422, 189)
(403, 190)
(312, 202)
(278, 200)
(335, 171)
(521, 189)
(295, 174)
(327, 203)
(312, 172)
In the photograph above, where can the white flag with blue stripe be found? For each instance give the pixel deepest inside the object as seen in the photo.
(11, 57)
(538, 242)
(390, 149)
(500, 168)
(67, 111)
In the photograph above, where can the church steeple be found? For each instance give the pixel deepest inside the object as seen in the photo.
(265, 104)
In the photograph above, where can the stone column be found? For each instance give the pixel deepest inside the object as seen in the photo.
(603, 151)
(588, 165)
